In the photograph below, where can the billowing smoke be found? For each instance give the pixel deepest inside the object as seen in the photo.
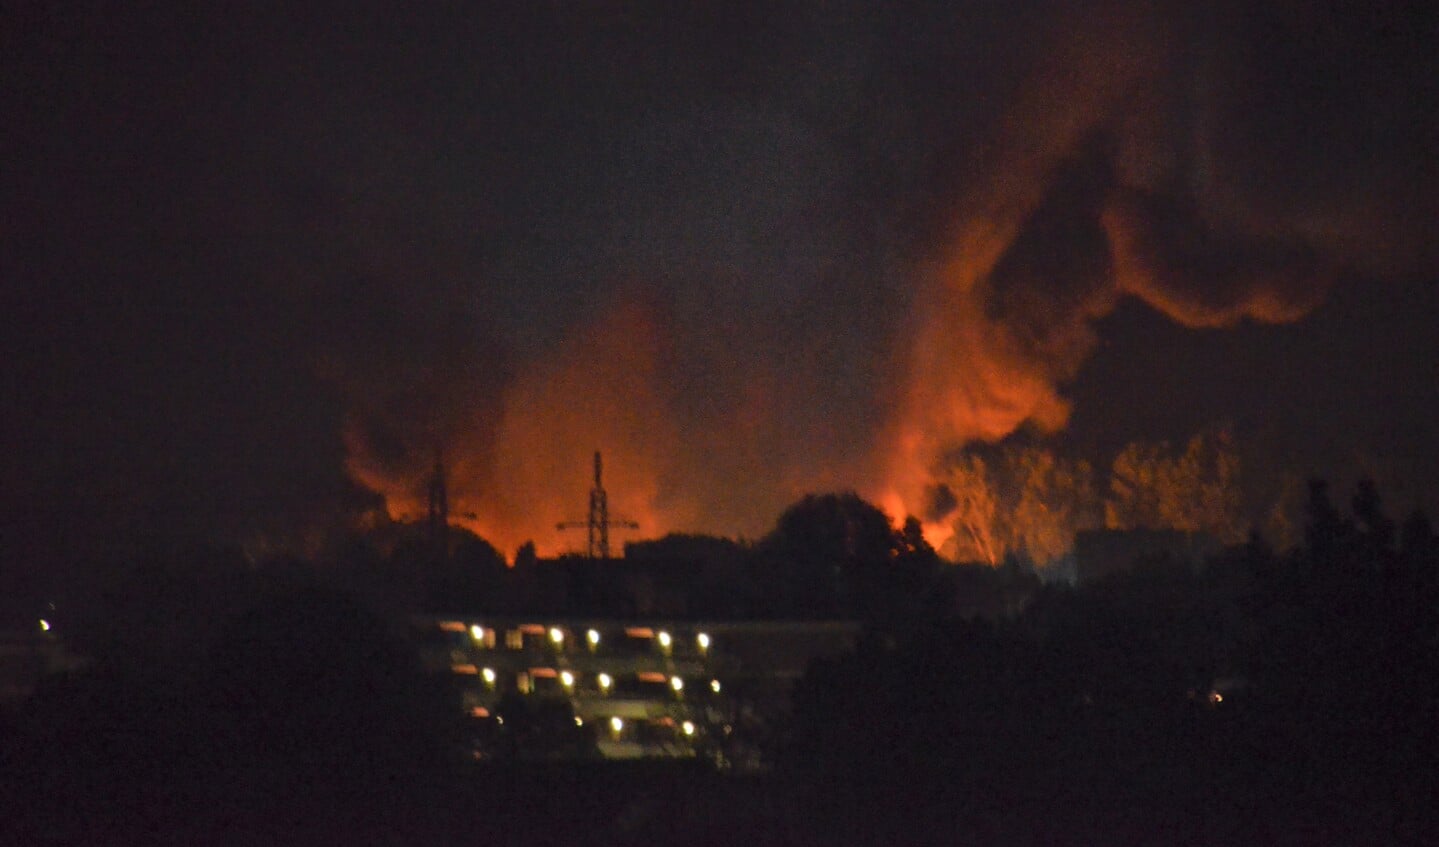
(1106, 179)
(837, 264)
(747, 249)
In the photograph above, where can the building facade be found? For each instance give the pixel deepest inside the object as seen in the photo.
(629, 688)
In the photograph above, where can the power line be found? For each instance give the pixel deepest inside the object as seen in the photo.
(599, 523)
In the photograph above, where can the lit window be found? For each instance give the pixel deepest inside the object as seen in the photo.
(482, 636)
(515, 639)
(465, 669)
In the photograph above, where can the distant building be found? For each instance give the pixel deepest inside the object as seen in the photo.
(636, 687)
(671, 579)
(1099, 553)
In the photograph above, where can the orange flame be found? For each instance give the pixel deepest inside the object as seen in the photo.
(966, 372)
(972, 375)
(598, 389)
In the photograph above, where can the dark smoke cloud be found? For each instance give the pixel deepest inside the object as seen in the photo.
(1173, 260)
(837, 238)
(1107, 178)
(941, 503)
(1318, 122)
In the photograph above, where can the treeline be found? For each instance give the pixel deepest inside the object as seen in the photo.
(828, 556)
(1267, 698)
(1027, 501)
(201, 656)
(221, 702)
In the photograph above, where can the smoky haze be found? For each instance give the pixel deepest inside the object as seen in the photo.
(746, 252)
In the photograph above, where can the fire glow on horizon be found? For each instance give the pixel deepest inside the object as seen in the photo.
(998, 324)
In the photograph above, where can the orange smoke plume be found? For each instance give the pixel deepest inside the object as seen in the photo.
(1002, 324)
(764, 377)
(598, 389)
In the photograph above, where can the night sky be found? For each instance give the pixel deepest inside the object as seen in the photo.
(256, 262)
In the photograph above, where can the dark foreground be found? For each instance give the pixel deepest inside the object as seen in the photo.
(669, 803)
(1264, 699)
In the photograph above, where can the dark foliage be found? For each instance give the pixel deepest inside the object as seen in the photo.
(312, 674)
(290, 678)
(470, 577)
(1263, 699)
(835, 555)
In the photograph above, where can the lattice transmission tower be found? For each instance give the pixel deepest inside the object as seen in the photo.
(599, 522)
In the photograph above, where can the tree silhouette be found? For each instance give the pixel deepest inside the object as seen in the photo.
(975, 505)
(471, 577)
(1300, 690)
(823, 553)
(1196, 490)
(1014, 500)
(312, 673)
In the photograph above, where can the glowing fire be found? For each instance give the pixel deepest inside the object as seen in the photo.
(597, 390)
(996, 328)
(976, 372)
